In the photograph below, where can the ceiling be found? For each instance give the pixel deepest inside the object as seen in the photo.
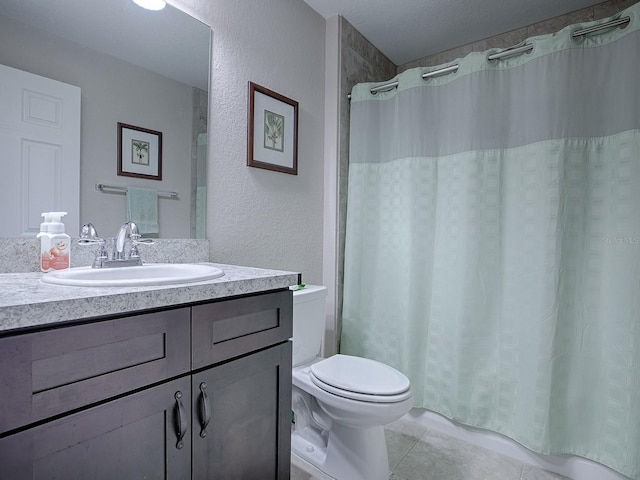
(407, 30)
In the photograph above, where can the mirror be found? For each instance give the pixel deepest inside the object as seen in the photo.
(148, 69)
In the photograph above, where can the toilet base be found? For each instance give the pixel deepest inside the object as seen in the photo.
(349, 453)
(311, 470)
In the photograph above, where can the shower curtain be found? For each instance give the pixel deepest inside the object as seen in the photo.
(493, 241)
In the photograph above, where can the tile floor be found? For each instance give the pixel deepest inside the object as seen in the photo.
(417, 453)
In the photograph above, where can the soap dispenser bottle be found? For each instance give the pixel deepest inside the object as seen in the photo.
(55, 244)
(45, 242)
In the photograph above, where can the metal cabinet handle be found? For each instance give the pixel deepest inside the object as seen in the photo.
(181, 417)
(205, 410)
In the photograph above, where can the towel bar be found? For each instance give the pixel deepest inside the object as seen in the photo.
(101, 187)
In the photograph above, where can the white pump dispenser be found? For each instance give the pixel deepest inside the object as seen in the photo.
(44, 226)
(56, 225)
(55, 245)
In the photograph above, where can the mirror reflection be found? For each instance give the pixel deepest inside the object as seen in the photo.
(141, 68)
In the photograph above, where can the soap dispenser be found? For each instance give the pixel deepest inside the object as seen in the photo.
(55, 244)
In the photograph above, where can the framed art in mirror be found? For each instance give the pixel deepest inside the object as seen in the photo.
(272, 137)
(139, 152)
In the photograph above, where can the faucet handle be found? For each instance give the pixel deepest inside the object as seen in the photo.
(88, 231)
(89, 236)
(91, 241)
(136, 240)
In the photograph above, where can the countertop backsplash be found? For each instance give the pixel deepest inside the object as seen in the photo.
(23, 254)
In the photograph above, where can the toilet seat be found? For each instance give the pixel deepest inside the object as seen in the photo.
(360, 379)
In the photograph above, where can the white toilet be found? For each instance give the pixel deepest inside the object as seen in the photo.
(340, 404)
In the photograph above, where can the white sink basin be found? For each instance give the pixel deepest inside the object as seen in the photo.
(147, 274)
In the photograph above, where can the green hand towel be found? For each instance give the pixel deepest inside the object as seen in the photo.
(142, 209)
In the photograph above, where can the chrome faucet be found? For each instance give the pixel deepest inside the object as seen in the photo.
(118, 246)
(116, 255)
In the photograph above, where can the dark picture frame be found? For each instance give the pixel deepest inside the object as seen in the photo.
(272, 131)
(139, 152)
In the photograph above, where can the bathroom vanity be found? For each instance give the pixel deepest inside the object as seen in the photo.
(190, 381)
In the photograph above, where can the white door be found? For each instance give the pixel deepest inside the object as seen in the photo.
(39, 152)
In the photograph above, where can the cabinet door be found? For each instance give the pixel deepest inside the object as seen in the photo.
(133, 437)
(247, 404)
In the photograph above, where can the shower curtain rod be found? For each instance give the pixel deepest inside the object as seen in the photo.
(507, 52)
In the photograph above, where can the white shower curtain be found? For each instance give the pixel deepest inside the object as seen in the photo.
(493, 241)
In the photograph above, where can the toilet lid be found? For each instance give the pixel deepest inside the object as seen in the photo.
(360, 378)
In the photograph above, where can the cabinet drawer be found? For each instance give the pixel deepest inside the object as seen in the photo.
(51, 372)
(230, 328)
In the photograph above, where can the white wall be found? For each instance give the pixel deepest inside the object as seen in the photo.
(259, 217)
(113, 91)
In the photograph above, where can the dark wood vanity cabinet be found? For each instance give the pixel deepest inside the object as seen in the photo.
(200, 392)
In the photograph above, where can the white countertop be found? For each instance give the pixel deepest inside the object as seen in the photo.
(25, 301)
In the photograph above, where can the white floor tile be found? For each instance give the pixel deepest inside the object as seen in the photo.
(416, 453)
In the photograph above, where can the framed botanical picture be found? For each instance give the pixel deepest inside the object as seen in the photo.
(139, 152)
(272, 137)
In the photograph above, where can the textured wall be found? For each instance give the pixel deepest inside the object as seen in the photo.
(360, 62)
(258, 217)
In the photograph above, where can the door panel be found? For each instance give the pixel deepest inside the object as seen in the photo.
(39, 151)
(132, 437)
(249, 403)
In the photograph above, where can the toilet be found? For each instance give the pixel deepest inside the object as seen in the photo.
(340, 404)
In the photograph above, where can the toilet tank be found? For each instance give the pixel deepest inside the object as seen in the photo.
(308, 322)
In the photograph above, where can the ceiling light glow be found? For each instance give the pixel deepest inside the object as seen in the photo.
(151, 4)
